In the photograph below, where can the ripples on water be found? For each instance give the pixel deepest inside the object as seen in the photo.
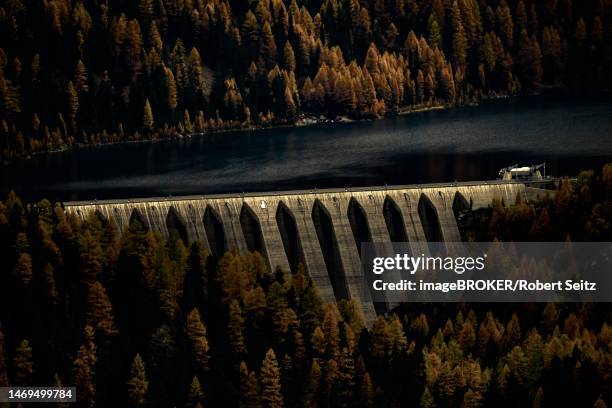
(438, 146)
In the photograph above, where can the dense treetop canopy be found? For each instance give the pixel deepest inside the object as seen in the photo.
(133, 319)
(97, 70)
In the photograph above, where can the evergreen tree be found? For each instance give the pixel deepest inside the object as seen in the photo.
(22, 363)
(99, 310)
(196, 395)
(288, 57)
(235, 328)
(83, 370)
(196, 333)
(346, 378)
(427, 400)
(538, 400)
(138, 385)
(599, 403)
(249, 388)
(433, 30)
(459, 38)
(269, 378)
(148, 116)
(80, 78)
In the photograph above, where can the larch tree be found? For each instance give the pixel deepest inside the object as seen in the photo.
(51, 291)
(366, 391)
(434, 37)
(269, 378)
(330, 379)
(521, 16)
(317, 341)
(170, 90)
(505, 24)
(600, 403)
(379, 338)
(23, 269)
(332, 331)
(235, 329)
(196, 333)
(57, 382)
(22, 363)
(137, 385)
(249, 388)
(427, 399)
(195, 398)
(145, 7)
(471, 399)
(100, 310)
(460, 43)
(73, 103)
(538, 400)
(267, 46)
(80, 77)
(346, 378)
(154, 38)
(288, 57)
(83, 369)
(513, 330)
(148, 120)
(313, 382)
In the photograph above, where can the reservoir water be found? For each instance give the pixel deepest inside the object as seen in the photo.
(462, 144)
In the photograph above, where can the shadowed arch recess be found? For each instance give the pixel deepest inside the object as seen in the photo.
(176, 225)
(290, 237)
(329, 247)
(394, 220)
(136, 216)
(359, 223)
(460, 204)
(252, 230)
(215, 233)
(429, 219)
(360, 226)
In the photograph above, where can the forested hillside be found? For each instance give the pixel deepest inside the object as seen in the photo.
(97, 71)
(135, 320)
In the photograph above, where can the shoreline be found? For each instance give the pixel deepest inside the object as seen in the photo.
(305, 120)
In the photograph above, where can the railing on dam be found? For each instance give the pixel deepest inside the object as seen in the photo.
(321, 229)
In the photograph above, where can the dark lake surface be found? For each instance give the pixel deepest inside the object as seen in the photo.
(462, 144)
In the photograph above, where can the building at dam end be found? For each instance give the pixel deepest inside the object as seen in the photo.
(323, 230)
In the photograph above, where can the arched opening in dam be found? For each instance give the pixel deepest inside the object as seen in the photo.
(290, 237)
(394, 220)
(460, 204)
(329, 247)
(137, 217)
(429, 219)
(252, 230)
(359, 224)
(176, 225)
(463, 216)
(101, 217)
(214, 232)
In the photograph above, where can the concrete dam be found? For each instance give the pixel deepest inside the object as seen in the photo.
(321, 229)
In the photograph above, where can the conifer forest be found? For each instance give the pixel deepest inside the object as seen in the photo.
(133, 319)
(94, 71)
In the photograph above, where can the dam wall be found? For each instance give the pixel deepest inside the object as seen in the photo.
(321, 229)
